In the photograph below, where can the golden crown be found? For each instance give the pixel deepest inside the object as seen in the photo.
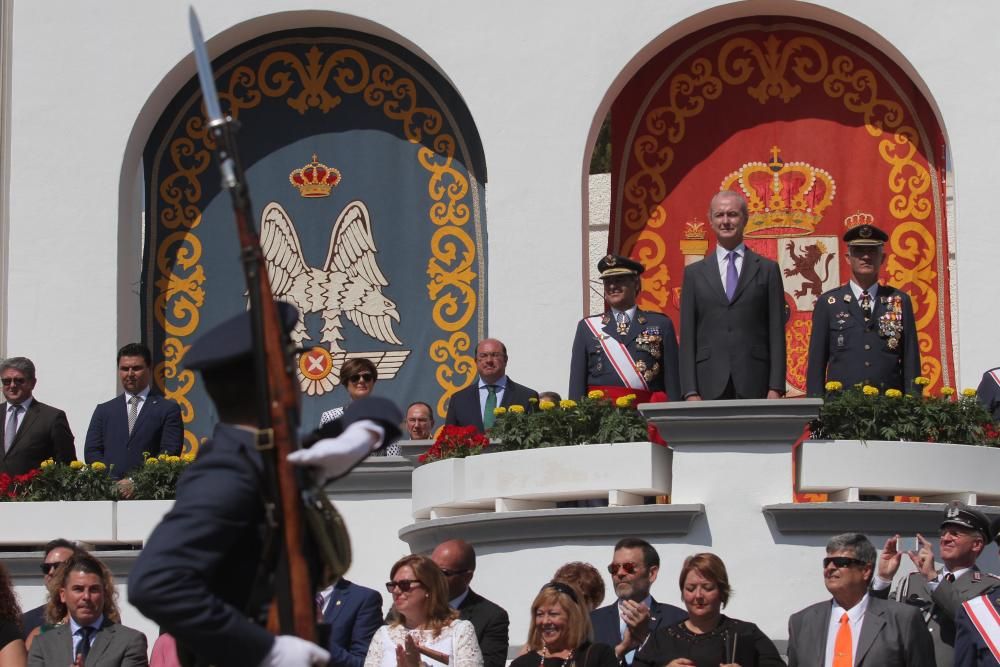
(315, 179)
(858, 219)
(695, 229)
(783, 198)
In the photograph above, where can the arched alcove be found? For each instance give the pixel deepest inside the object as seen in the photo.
(691, 114)
(367, 177)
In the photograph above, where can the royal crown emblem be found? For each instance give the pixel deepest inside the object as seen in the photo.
(859, 219)
(783, 198)
(315, 179)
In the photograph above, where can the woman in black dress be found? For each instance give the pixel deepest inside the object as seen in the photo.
(559, 633)
(707, 638)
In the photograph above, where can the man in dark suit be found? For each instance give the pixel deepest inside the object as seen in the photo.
(91, 637)
(854, 629)
(137, 422)
(989, 392)
(353, 613)
(474, 405)
(938, 594)
(29, 430)
(732, 315)
(57, 552)
(863, 332)
(197, 571)
(624, 350)
(457, 560)
(627, 622)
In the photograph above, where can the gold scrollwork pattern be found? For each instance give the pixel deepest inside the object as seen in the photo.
(772, 68)
(455, 370)
(797, 335)
(317, 83)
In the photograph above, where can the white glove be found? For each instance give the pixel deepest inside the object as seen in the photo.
(335, 456)
(289, 651)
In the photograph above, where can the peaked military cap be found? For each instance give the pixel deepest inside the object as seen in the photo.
(616, 265)
(232, 340)
(865, 235)
(958, 514)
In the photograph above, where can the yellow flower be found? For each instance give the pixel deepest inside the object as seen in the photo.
(517, 409)
(566, 404)
(500, 411)
(595, 393)
(947, 391)
(870, 390)
(162, 457)
(921, 381)
(98, 466)
(622, 401)
(532, 400)
(893, 393)
(969, 392)
(631, 397)
(173, 459)
(546, 405)
(187, 458)
(76, 465)
(833, 385)
(46, 463)
(150, 462)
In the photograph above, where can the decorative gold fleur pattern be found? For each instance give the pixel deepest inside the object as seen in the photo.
(773, 69)
(317, 84)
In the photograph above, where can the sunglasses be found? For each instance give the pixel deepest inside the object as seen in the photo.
(48, 567)
(629, 567)
(453, 573)
(404, 585)
(15, 381)
(357, 377)
(841, 562)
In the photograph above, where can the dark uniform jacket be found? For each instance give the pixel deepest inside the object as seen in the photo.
(464, 410)
(158, 429)
(651, 342)
(940, 607)
(882, 352)
(970, 647)
(743, 340)
(989, 392)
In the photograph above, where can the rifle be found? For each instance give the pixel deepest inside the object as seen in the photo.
(277, 398)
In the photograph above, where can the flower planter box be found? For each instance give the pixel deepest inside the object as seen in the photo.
(846, 468)
(37, 523)
(539, 478)
(135, 519)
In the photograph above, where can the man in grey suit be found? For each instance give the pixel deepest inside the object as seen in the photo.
(854, 629)
(939, 594)
(29, 430)
(732, 315)
(93, 637)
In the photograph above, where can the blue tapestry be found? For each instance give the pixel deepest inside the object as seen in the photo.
(367, 180)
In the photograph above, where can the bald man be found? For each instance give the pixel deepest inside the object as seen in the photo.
(457, 560)
(474, 405)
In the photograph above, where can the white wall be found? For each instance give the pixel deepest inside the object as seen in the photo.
(88, 80)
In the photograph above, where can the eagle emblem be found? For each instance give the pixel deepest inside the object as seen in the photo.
(349, 283)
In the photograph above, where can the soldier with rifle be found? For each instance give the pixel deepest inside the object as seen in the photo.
(232, 570)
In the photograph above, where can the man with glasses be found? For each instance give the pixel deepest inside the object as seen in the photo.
(419, 421)
(627, 622)
(855, 629)
(457, 561)
(474, 405)
(863, 332)
(57, 552)
(939, 594)
(31, 431)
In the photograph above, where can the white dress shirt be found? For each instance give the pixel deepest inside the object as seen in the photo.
(855, 617)
(501, 386)
(143, 395)
(722, 255)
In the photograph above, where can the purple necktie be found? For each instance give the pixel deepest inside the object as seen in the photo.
(731, 276)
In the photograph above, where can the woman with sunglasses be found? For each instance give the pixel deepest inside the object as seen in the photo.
(358, 375)
(559, 632)
(12, 650)
(707, 638)
(423, 629)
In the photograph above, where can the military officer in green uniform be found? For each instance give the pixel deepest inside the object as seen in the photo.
(864, 332)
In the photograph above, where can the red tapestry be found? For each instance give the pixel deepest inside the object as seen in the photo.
(817, 130)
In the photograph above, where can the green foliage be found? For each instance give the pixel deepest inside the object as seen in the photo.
(76, 481)
(862, 413)
(592, 419)
(157, 479)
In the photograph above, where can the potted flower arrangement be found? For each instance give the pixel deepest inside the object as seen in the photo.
(455, 442)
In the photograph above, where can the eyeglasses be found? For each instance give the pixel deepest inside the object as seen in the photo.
(48, 567)
(841, 562)
(453, 573)
(357, 377)
(629, 567)
(404, 585)
(489, 355)
(16, 381)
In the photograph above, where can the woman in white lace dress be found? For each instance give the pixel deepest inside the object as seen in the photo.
(423, 630)
(358, 375)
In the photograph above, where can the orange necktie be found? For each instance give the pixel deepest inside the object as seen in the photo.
(843, 652)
